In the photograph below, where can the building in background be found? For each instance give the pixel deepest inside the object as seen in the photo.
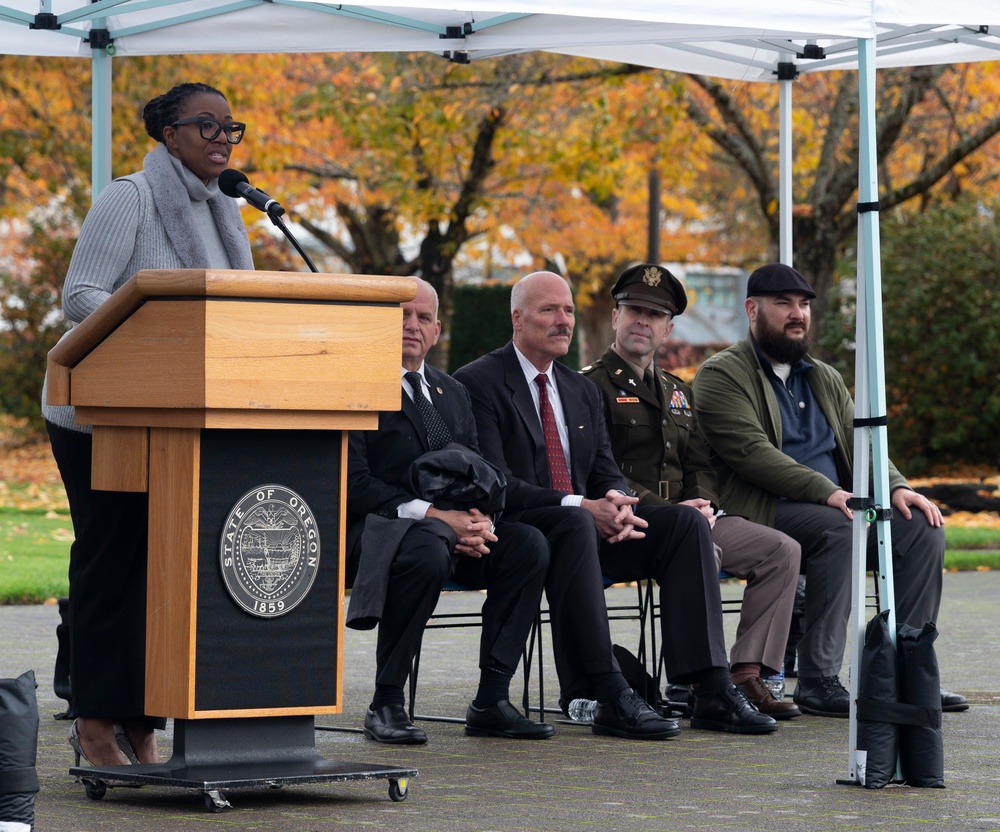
(714, 318)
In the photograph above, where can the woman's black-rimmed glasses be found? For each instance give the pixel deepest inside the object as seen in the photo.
(210, 128)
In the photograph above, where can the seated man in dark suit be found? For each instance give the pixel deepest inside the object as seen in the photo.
(402, 550)
(543, 425)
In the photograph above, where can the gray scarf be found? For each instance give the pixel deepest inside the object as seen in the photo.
(174, 188)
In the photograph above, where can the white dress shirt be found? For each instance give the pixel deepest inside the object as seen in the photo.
(530, 372)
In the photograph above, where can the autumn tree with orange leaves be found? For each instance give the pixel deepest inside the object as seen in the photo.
(408, 164)
(936, 134)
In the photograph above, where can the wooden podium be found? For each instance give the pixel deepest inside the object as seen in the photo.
(227, 396)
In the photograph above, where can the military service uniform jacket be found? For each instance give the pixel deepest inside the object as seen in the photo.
(654, 438)
(657, 444)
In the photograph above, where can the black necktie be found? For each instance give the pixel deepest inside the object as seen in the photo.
(438, 434)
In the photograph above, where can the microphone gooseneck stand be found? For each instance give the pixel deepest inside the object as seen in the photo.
(275, 217)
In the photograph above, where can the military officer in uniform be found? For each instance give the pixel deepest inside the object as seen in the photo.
(657, 445)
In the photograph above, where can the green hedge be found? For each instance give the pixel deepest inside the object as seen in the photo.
(941, 321)
(481, 323)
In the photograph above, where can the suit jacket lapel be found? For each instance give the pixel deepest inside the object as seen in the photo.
(521, 396)
(666, 392)
(442, 400)
(576, 415)
(621, 374)
(524, 404)
(410, 412)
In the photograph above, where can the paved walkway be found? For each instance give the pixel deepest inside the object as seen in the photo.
(699, 781)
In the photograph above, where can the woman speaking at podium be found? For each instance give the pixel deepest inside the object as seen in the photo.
(170, 215)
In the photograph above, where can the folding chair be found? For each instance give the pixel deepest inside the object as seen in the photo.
(471, 618)
(729, 606)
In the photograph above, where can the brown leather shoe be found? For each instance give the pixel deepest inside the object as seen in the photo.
(763, 700)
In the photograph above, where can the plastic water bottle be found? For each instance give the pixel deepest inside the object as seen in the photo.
(582, 710)
(776, 684)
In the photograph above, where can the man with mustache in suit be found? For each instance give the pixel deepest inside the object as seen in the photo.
(543, 425)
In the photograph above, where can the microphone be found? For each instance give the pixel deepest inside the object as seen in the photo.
(234, 183)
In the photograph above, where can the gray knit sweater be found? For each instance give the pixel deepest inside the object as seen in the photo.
(160, 218)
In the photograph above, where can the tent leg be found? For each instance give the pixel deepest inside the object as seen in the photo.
(100, 159)
(870, 409)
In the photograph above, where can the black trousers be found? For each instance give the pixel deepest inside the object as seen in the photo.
(512, 573)
(677, 552)
(574, 589)
(107, 587)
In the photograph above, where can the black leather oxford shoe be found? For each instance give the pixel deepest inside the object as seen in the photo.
(629, 716)
(730, 711)
(391, 724)
(953, 701)
(504, 720)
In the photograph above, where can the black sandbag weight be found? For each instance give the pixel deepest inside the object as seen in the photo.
(18, 749)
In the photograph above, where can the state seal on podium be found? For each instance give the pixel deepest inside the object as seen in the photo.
(270, 550)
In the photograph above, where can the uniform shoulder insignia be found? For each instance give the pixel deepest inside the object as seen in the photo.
(587, 369)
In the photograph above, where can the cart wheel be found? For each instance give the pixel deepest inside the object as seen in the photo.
(215, 801)
(96, 789)
(397, 790)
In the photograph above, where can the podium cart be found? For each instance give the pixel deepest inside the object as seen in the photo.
(227, 396)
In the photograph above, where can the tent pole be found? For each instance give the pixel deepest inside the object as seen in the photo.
(869, 391)
(100, 94)
(785, 171)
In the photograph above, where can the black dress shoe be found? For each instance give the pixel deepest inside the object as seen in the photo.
(680, 700)
(504, 720)
(629, 716)
(953, 701)
(391, 724)
(822, 696)
(730, 711)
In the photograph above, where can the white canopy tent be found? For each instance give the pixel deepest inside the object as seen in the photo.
(767, 41)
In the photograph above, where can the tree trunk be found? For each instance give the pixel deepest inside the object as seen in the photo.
(593, 328)
(816, 247)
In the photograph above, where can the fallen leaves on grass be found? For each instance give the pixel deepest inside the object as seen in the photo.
(50, 496)
(963, 474)
(978, 520)
(28, 463)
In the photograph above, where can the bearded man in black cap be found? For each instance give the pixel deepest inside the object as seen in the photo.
(780, 424)
(657, 445)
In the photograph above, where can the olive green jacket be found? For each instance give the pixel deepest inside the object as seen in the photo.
(738, 414)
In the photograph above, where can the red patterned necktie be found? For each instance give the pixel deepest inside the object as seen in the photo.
(558, 472)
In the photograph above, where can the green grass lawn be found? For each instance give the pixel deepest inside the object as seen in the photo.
(34, 553)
